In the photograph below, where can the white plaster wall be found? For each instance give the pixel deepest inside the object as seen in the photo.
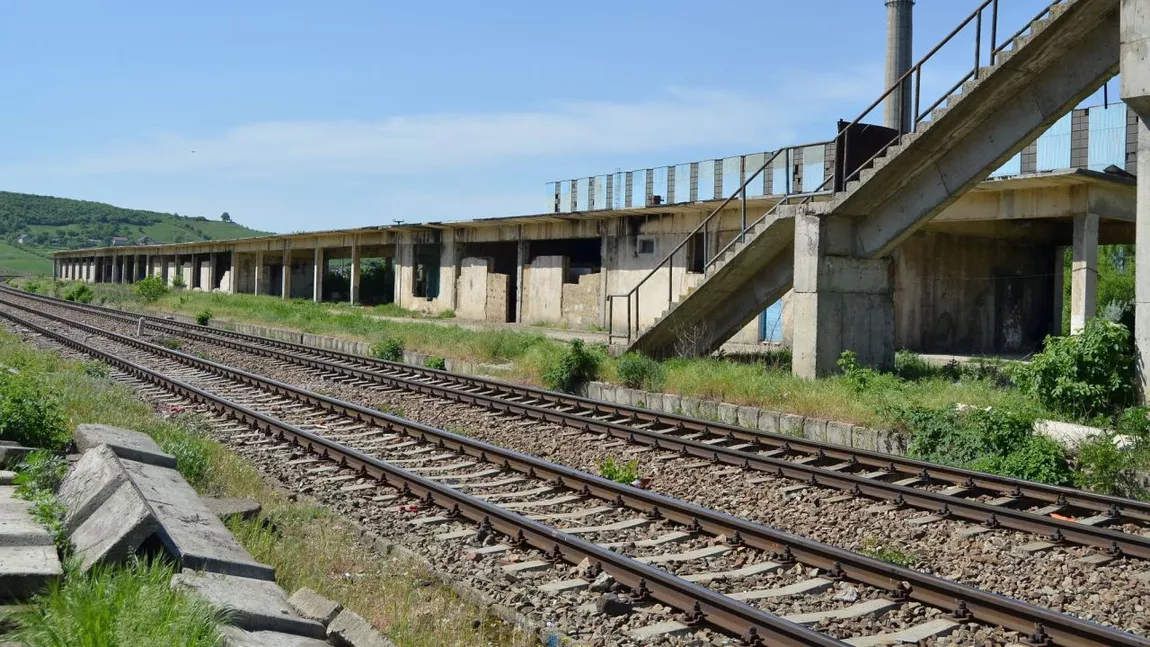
(472, 288)
(543, 290)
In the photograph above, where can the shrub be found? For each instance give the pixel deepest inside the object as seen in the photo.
(96, 369)
(28, 415)
(39, 471)
(390, 349)
(574, 367)
(437, 363)
(150, 289)
(997, 441)
(1083, 375)
(911, 366)
(80, 293)
(203, 317)
(618, 471)
(178, 280)
(639, 371)
(1110, 463)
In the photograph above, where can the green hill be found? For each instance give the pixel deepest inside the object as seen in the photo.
(34, 226)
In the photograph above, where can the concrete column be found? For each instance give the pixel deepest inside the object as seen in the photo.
(1135, 45)
(840, 301)
(353, 288)
(115, 268)
(1084, 271)
(211, 272)
(285, 287)
(521, 260)
(1057, 270)
(148, 269)
(899, 44)
(317, 269)
(259, 273)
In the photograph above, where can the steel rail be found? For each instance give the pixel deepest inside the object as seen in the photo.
(1021, 490)
(698, 602)
(903, 584)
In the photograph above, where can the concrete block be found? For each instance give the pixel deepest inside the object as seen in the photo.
(132, 445)
(350, 630)
(593, 389)
(791, 424)
(7, 477)
(748, 417)
(672, 403)
(728, 413)
(839, 433)
(707, 409)
(1066, 434)
(310, 604)
(26, 570)
(236, 637)
(607, 393)
(768, 421)
(88, 484)
(116, 529)
(189, 530)
(227, 508)
(815, 429)
(864, 437)
(251, 605)
(12, 454)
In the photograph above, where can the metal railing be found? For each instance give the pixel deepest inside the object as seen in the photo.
(913, 76)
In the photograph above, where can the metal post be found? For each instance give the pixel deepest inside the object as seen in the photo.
(993, 32)
(977, 42)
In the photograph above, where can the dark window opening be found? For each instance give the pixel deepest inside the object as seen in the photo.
(584, 255)
(696, 251)
(426, 280)
(646, 246)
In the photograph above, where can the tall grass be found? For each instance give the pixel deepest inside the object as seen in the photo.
(115, 606)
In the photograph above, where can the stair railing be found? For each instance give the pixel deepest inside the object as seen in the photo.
(842, 157)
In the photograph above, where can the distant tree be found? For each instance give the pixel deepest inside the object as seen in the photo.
(226, 217)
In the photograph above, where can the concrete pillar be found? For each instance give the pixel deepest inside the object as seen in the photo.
(115, 268)
(259, 273)
(1084, 271)
(840, 301)
(285, 287)
(148, 269)
(521, 260)
(1135, 62)
(1057, 271)
(211, 272)
(899, 44)
(317, 269)
(353, 287)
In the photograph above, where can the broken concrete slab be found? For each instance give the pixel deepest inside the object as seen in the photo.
(128, 444)
(250, 604)
(312, 605)
(228, 508)
(188, 530)
(236, 637)
(88, 485)
(12, 454)
(350, 630)
(116, 529)
(7, 477)
(17, 527)
(26, 570)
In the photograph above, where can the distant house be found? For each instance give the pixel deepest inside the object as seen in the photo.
(95, 242)
(23, 239)
(145, 240)
(119, 240)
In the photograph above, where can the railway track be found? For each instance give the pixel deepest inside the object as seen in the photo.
(1113, 525)
(358, 442)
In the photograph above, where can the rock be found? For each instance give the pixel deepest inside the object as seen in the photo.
(350, 630)
(252, 605)
(127, 444)
(848, 594)
(236, 637)
(610, 604)
(312, 605)
(586, 569)
(227, 508)
(602, 584)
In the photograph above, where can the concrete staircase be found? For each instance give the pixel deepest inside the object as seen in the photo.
(1054, 63)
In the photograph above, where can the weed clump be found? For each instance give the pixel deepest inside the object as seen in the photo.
(437, 363)
(390, 349)
(28, 415)
(618, 471)
(574, 367)
(203, 317)
(80, 293)
(640, 372)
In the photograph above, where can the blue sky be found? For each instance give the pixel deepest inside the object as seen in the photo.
(309, 115)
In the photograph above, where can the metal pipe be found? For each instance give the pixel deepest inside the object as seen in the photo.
(899, 48)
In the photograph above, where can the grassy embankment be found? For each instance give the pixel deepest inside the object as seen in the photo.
(308, 544)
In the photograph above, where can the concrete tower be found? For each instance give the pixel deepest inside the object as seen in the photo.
(899, 44)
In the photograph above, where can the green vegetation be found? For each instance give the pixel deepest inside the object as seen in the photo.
(437, 363)
(203, 317)
(172, 343)
(896, 556)
(618, 471)
(575, 367)
(29, 413)
(1115, 284)
(640, 372)
(151, 289)
(390, 349)
(178, 280)
(308, 545)
(80, 293)
(111, 606)
(37, 477)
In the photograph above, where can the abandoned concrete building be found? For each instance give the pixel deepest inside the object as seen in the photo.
(942, 232)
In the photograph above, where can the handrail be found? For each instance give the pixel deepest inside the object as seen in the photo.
(915, 73)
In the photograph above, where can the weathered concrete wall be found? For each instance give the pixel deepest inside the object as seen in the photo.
(543, 290)
(498, 287)
(961, 295)
(472, 288)
(580, 305)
